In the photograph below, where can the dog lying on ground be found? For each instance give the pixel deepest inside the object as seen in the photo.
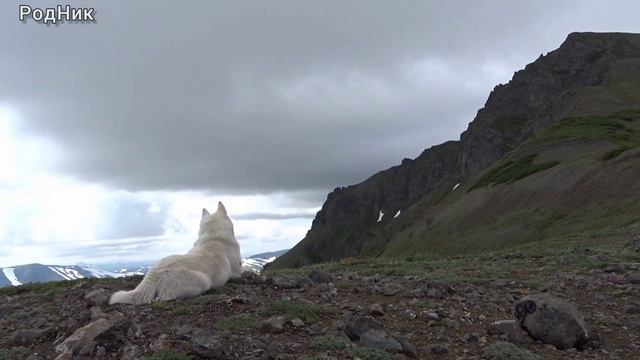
(214, 259)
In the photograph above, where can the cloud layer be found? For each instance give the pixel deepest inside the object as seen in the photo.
(260, 97)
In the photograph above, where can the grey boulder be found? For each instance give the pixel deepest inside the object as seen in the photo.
(552, 320)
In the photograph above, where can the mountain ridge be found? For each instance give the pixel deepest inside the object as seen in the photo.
(590, 74)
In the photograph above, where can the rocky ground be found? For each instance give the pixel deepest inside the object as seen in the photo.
(440, 308)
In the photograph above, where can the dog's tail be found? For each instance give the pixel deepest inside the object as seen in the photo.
(142, 294)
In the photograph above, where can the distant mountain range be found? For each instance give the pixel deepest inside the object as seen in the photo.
(39, 273)
(267, 255)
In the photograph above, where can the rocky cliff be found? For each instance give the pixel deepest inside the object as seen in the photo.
(591, 74)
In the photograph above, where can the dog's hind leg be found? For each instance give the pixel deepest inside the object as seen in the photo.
(182, 282)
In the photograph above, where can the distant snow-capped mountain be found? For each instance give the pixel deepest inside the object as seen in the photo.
(258, 261)
(38, 273)
(268, 255)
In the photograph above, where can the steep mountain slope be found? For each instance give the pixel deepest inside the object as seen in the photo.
(552, 153)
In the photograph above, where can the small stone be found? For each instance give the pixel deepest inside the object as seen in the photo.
(237, 300)
(510, 329)
(297, 323)
(632, 309)
(356, 325)
(472, 338)
(389, 291)
(160, 344)
(28, 337)
(614, 268)
(87, 349)
(501, 327)
(131, 352)
(614, 278)
(66, 355)
(482, 340)
(135, 331)
(407, 348)
(438, 349)
(376, 310)
(248, 277)
(208, 345)
(101, 352)
(98, 297)
(320, 277)
(274, 325)
(283, 282)
(97, 313)
(634, 278)
(410, 314)
(379, 339)
(432, 316)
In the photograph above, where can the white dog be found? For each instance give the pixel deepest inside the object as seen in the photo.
(214, 258)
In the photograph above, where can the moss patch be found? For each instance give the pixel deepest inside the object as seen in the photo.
(329, 342)
(169, 355)
(236, 322)
(617, 128)
(512, 171)
(14, 353)
(615, 152)
(508, 351)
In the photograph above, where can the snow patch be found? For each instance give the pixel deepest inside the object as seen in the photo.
(11, 275)
(255, 265)
(99, 273)
(455, 187)
(380, 215)
(65, 273)
(397, 214)
(60, 273)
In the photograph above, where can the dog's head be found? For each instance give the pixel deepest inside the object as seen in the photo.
(218, 223)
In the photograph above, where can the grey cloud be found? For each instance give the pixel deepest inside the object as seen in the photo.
(270, 216)
(262, 97)
(113, 248)
(126, 216)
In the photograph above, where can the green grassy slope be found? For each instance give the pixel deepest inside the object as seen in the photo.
(577, 177)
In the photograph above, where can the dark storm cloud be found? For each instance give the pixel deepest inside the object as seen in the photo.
(258, 96)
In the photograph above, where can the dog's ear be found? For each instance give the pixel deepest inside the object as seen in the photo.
(221, 208)
(204, 212)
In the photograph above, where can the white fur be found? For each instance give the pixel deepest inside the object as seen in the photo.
(214, 259)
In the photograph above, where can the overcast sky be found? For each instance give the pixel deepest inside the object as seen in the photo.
(114, 135)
